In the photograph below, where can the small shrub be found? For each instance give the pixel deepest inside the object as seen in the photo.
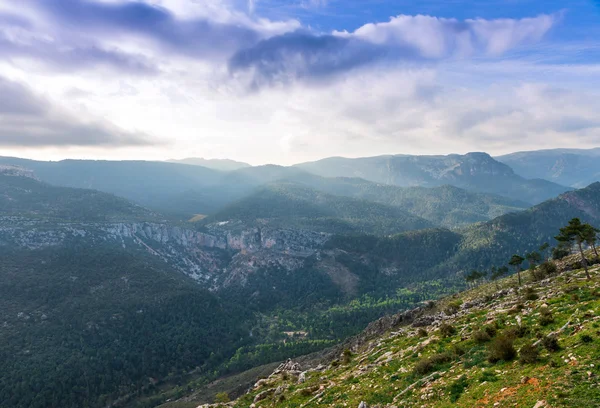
(545, 317)
(457, 388)
(530, 294)
(346, 356)
(517, 331)
(550, 343)
(458, 350)
(428, 365)
(488, 376)
(502, 348)
(222, 398)
(529, 354)
(447, 330)
(422, 332)
(491, 329)
(481, 336)
(586, 338)
(548, 268)
(453, 307)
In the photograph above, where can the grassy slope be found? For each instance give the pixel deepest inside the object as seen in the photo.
(380, 371)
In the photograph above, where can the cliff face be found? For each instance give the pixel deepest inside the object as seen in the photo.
(223, 255)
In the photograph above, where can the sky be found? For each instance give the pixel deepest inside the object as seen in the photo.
(288, 81)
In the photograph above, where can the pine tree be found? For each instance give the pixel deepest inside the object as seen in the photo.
(517, 261)
(576, 232)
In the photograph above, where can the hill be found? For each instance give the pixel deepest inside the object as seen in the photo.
(474, 171)
(291, 205)
(446, 206)
(569, 167)
(27, 197)
(151, 184)
(495, 241)
(496, 345)
(215, 164)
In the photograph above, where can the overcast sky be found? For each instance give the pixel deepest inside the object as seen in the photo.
(286, 81)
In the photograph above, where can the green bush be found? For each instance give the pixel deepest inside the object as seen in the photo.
(447, 330)
(530, 294)
(453, 307)
(502, 348)
(222, 398)
(481, 336)
(546, 317)
(548, 268)
(550, 343)
(529, 354)
(428, 365)
(586, 338)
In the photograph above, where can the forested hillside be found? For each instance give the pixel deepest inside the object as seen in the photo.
(291, 205)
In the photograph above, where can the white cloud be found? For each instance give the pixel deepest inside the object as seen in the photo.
(470, 99)
(442, 37)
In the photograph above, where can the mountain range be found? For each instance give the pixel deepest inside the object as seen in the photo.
(106, 288)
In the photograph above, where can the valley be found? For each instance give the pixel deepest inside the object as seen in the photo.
(283, 251)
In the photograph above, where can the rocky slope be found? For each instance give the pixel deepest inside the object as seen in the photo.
(496, 345)
(203, 256)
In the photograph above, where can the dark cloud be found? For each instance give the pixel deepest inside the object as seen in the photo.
(195, 37)
(402, 39)
(304, 55)
(28, 120)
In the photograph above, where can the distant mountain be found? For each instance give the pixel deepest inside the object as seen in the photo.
(28, 197)
(569, 167)
(474, 171)
(182, 190)
(151, 184)
(215, 164)
(292, 205)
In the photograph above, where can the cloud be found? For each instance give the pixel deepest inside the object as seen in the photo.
(27, 120)
(57, 57)
(197, 37)
(402, 39)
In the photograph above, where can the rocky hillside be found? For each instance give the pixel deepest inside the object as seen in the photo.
(496, 345)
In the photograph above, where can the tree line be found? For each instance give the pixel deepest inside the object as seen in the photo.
(574, 235)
